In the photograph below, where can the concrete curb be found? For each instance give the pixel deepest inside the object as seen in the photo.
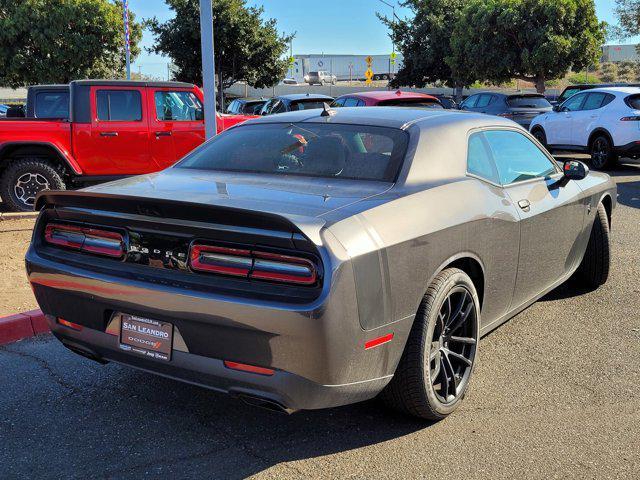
(17, 215)
(22, 325)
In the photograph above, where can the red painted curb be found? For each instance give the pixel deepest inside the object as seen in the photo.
(22, 325)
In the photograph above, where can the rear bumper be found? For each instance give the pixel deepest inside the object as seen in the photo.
(316, 350)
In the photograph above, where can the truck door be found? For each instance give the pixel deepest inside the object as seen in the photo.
(176, 124)
(120, 131)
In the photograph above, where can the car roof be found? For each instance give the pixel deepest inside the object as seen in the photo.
(619, 90)
(381, 95)
(132, 83)
(304, 96)
(393, 117)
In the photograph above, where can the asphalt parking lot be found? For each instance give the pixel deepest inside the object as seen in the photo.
(556, 395)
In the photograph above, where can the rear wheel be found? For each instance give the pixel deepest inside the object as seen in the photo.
(23, 179)
(594, 269)
(437, 363)
(602, 154)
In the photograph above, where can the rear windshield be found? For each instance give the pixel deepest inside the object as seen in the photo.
(633, 101)
(569, 92)
(316, 150)
(528, 102)
(309, 104)
(411, 102)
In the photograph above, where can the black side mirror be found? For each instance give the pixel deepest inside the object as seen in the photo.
(557, 108)
(575, 170)
(199, 114)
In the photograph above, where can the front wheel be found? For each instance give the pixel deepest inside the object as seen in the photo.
(437, 363)
(22, 180)
(539, 135)
(602, 153)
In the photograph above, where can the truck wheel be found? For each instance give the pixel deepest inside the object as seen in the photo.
(23, 179)
(438, 359)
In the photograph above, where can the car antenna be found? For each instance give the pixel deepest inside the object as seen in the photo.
(326, 110)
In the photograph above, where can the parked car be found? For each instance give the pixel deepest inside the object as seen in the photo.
(3, 110)
(115, 128)
(246, 106)
(320, 78)
(293, 102)
(604, 122)
(521, 108)
(573, 89)
(447, 101)
(288, 81)
(317, 259)
(386, 98)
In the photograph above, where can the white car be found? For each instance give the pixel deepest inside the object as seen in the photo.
(604, 122)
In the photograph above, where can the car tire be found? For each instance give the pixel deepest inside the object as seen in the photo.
(602, 154)
(594, 268)
(538, 134)
(414, 388)
(23, 179)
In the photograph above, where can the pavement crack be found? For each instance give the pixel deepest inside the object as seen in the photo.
(46, 367)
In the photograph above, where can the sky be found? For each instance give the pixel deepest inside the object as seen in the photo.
(324, 26)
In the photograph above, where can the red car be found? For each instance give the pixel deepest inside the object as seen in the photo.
(386, 98)
(97, 130)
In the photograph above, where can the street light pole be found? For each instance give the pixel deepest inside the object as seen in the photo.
(393, 22)
(127, 48)
(208, 68)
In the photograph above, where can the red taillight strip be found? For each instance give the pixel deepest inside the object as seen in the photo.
(378, 341)
(86, 239)
(243, 367)
(253, 264)
(71, 325)
(227, 261)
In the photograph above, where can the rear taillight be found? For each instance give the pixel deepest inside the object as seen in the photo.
(506, 115)
(253, 264)
(630, 119)
(85, 239)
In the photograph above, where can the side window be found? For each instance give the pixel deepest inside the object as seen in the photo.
(52, 105)
(607, 100)
(574, 103)
(470, 102)
(178, 106)
(479, 161)
(360, 103)
(278, 107)
(339, 102)
(484, 100)
(516, 157)
(351, 102)
(232, 107)
(119, 105)
(593, 101)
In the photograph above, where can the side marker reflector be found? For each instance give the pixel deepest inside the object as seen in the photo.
(378, 341)
(243, 367)
(69, 324)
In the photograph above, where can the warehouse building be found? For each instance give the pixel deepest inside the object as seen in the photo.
(620, 53)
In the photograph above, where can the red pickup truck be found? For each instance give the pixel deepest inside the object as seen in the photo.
(98, 130)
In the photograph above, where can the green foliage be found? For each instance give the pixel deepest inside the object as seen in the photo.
(609, 72)
(531, 40)
(627, 71)
(56, 41)
(628, 13)
(424, 43)
(582, 77)
(246, 47)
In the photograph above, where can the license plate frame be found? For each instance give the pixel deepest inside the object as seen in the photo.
(146, 337)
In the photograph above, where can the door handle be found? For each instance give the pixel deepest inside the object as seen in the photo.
(524, 205)
(163, 134)
(108, 134)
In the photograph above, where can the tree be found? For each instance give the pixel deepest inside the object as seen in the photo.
(246, 47)
(531, 40)
(424, 42)
(56, 41)
(628, 13)
(609, 72)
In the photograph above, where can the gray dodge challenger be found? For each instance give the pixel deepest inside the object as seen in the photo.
(319, 258)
